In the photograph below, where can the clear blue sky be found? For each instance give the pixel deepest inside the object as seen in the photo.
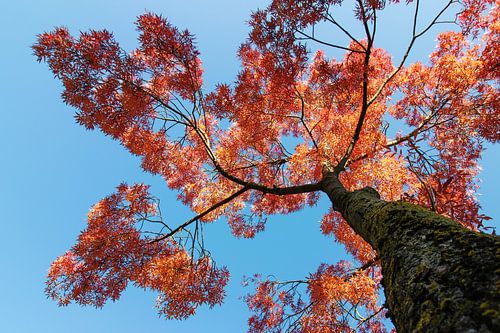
(52, 171)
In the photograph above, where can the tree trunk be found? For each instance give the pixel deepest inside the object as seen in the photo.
(438, 276)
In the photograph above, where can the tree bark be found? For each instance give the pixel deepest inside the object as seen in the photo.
(438, 276)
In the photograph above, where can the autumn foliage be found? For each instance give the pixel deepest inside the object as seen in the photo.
(259, 145)
(110, 253)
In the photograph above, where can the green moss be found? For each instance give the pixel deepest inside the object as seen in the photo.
(445, 303)
(434, 286)
(427, 318)
(422, 268)
(436, 272)
(484, 305)
(491, 313)
(488, 311)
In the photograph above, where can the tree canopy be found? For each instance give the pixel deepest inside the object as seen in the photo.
(261, 145)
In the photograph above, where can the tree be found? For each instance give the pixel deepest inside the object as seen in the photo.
(286, 130)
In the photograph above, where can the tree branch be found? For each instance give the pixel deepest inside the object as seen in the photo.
(302, 120)
(330, 18)
(409, 48)
(306, 36)
(364, 108)
(202, 214)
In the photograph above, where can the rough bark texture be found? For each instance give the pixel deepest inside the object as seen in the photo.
(438, 275)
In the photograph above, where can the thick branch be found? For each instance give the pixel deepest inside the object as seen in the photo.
(306, 188)
(364, 107)
(312, 187)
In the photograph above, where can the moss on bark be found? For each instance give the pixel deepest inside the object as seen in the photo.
(438, 275)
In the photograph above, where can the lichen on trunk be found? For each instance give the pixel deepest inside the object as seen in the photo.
(438, 276)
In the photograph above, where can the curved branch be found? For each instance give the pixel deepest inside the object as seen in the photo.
(298, 189)
(367, 103)
(415, 36)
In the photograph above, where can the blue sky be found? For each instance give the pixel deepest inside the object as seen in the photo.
(52, 171)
